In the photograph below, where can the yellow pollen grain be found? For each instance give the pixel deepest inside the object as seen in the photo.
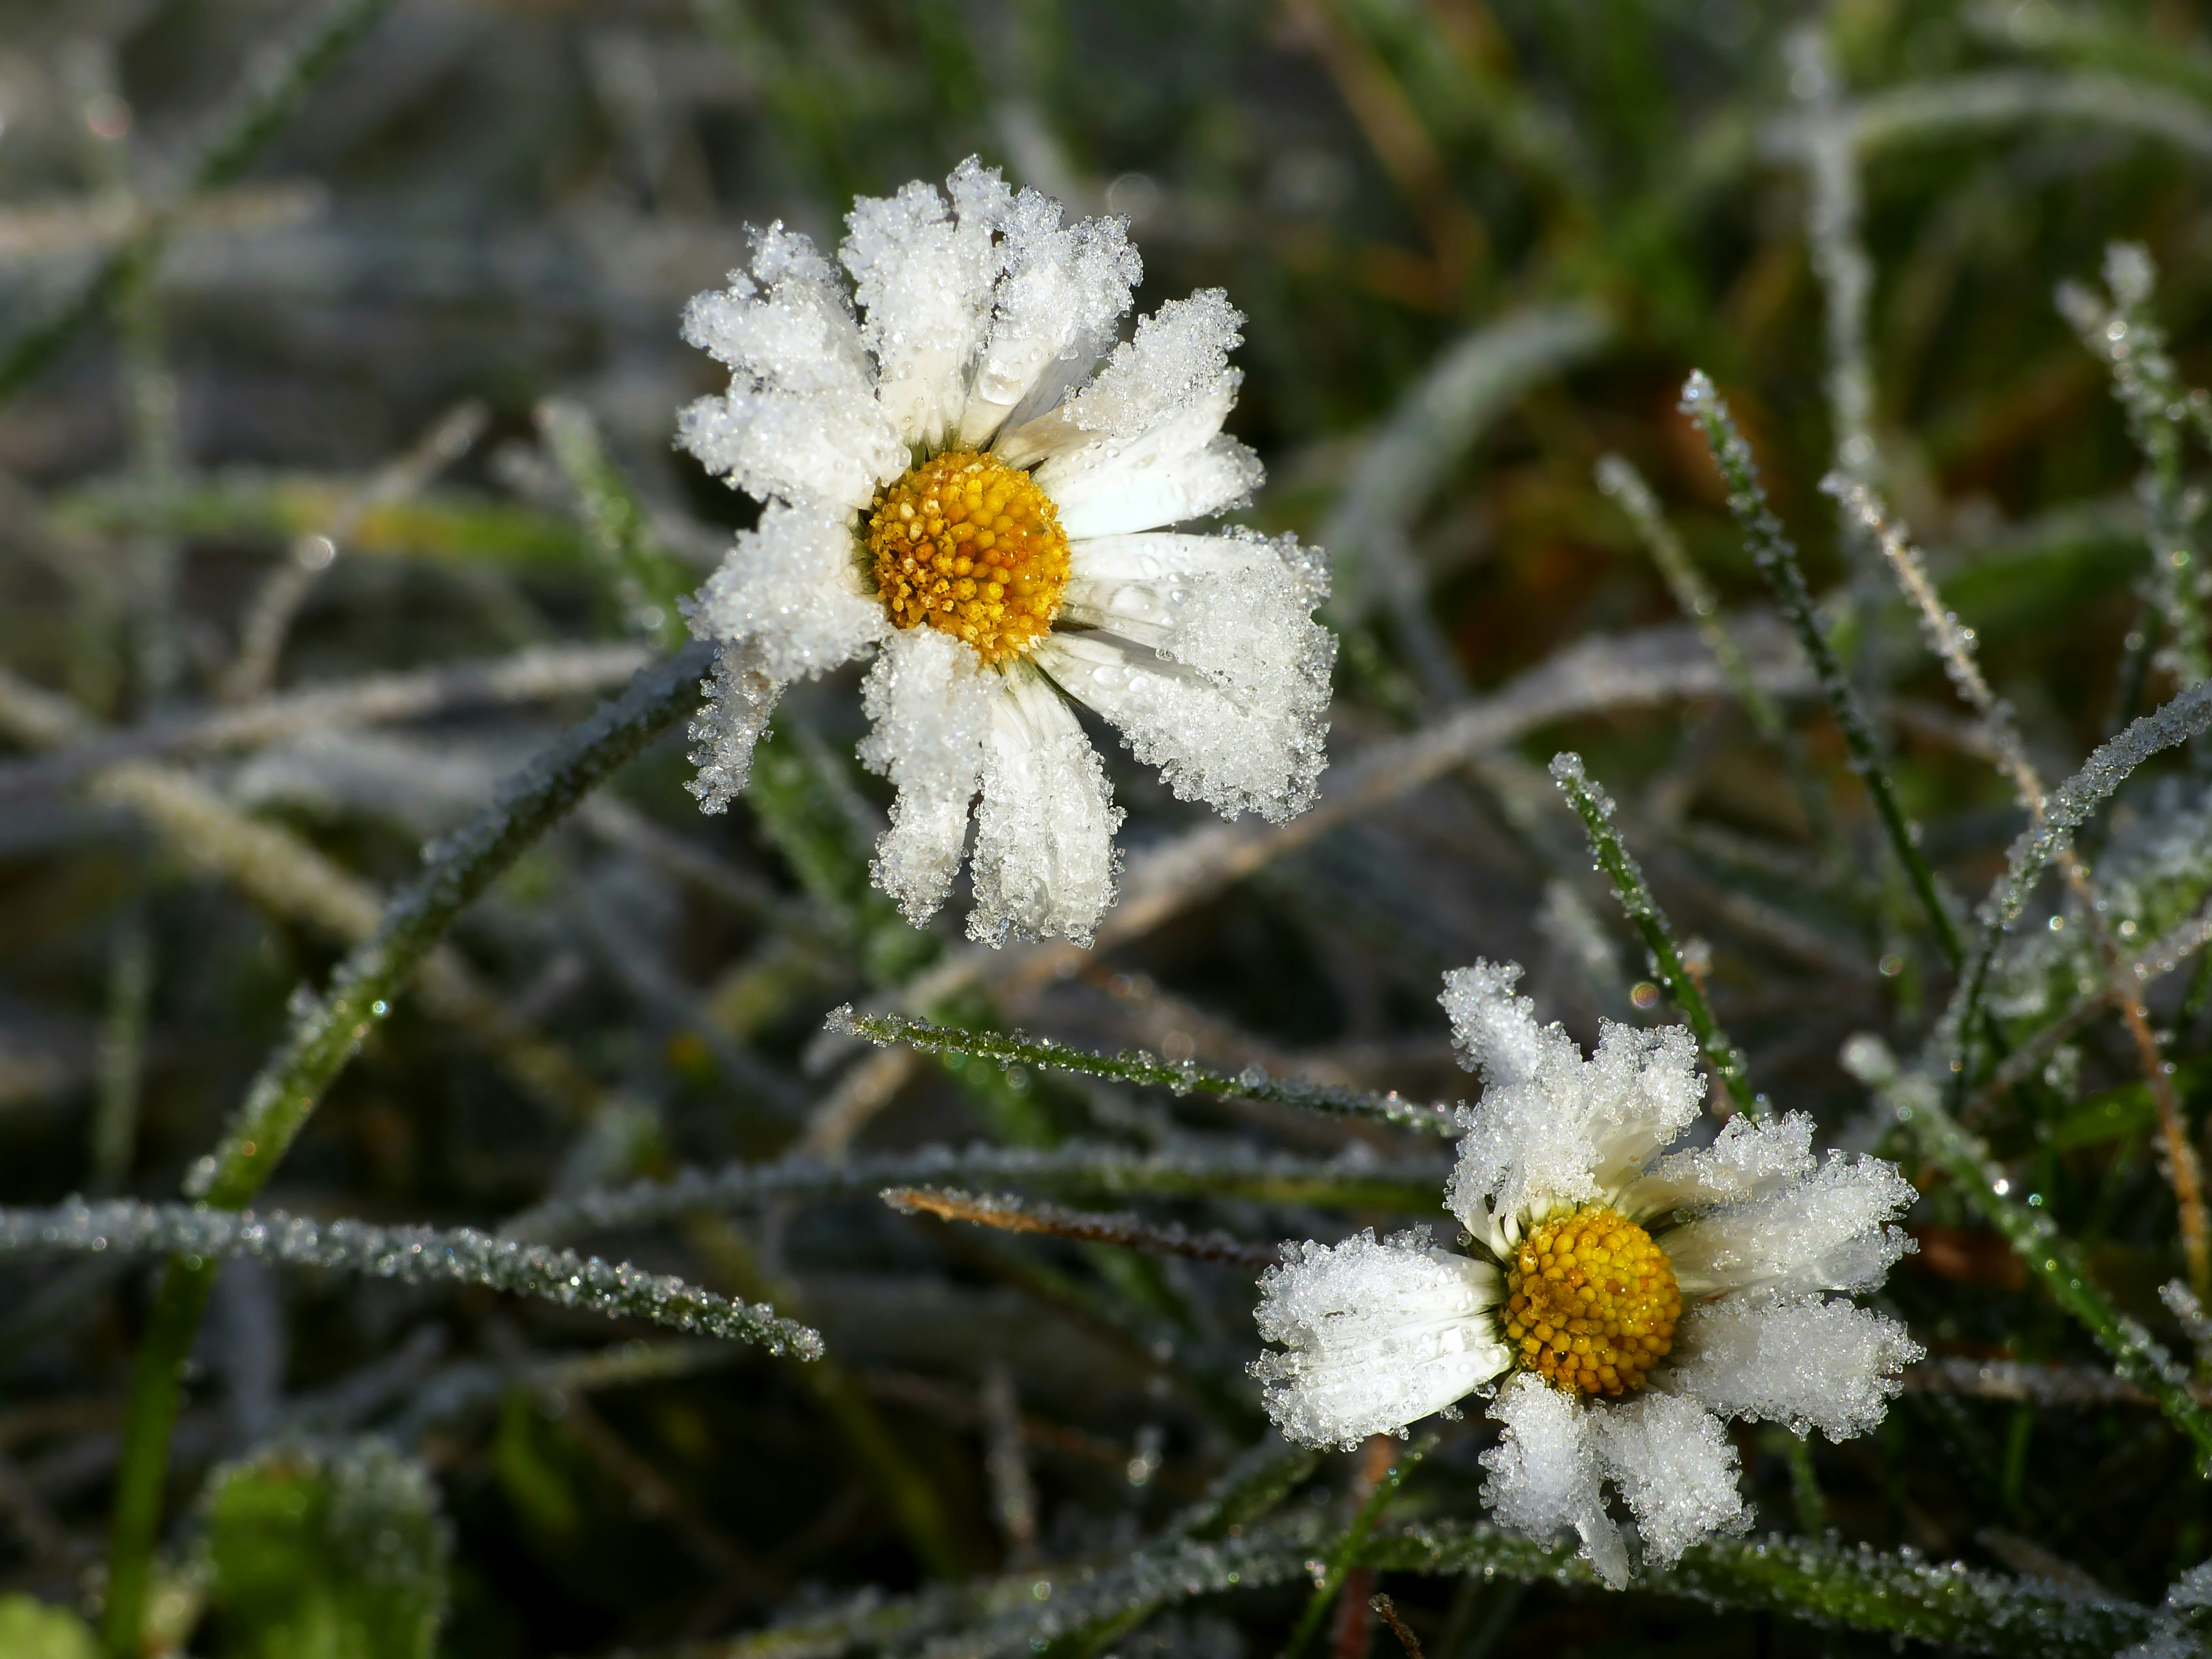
(1590, 1303)
(970, 546)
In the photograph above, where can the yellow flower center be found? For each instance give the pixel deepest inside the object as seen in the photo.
(968, 545)
(1591, 1302)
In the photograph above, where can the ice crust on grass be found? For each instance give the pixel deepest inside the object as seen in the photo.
(1376, 1334)
(1808, 1362)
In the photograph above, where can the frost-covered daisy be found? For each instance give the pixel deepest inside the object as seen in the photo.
(946, 482)
(1624, 1299)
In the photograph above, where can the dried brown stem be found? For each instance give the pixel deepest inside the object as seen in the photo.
(1389, 1609)
(1009, 1213)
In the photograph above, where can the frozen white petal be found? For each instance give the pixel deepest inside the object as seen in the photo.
(1044, 862)
(1544, 1473)
(1182, 470)
(1573, 1131)
(1672, 1464)
(1825, 1232)
(1748, 1159)
(789, 586)
(1807, 1361)
(923, 274)
(1376, 1335)
(740, 698)
(800, 417)
(833, 448)
(1062, 296)
(931, 701)
(1497, 1032)
(786, 323)
(1178, 359)
(1220, 680)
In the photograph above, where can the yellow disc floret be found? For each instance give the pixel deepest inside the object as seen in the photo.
(1591, 1302)
(968, 545)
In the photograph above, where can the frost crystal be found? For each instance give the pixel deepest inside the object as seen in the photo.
(1711, 1260)
(979, 311)
(1376, 1335)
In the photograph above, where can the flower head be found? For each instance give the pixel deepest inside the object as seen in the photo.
(947, 483)
(1627, 1299)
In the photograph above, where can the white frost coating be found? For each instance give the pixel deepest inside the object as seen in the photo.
(1544, 1473)
(1672, 1463)
(800, 418)
(1806, 1362)
(728, 726)
(1179, 357)
(1376, 1335)
(1062, 295)
(1220, 680)
(1045, 862)
(1495, 1031)
(787, 587)
(931, 702)
(1747, 1160)
(1827, 1232)
(922, 274)
(1574, 1130)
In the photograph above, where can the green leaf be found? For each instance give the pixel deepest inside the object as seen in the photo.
(322, 1554)
(30, 1629)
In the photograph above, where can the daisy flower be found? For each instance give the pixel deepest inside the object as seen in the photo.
(1624, 1300)
(947, 484)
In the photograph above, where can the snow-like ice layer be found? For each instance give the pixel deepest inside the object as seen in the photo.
(1062, 294)
(1544, 1470)
(1825, 1232)
(789, 587)
(931, 701)
(800, 418)
(1572, 1130)
(1045, 862)
(1672, 1464)
(1497, 1032)
(740, 698)
(922, 273)
(1805, 1361)
(1178, 358)
(1747, 1160)
(1376, 1335)
(1220, 677)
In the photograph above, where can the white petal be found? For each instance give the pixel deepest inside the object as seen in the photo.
(1563, 1130)
(1497, 1032)
(1044, 862)
(1544, 1473)
(831, 448)
(1823, 1232)
(1377, 1334)
(1181, 470)
(1056, 307)
(1154, 556)
(1807, 1361)
(740, 698)
(1746, 1160)
(786, 323)
(923, 275)
(931, 699)
(1672, 1462)
(800, 418)
(1179, 358)
(790, 586)
(1220, 680)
